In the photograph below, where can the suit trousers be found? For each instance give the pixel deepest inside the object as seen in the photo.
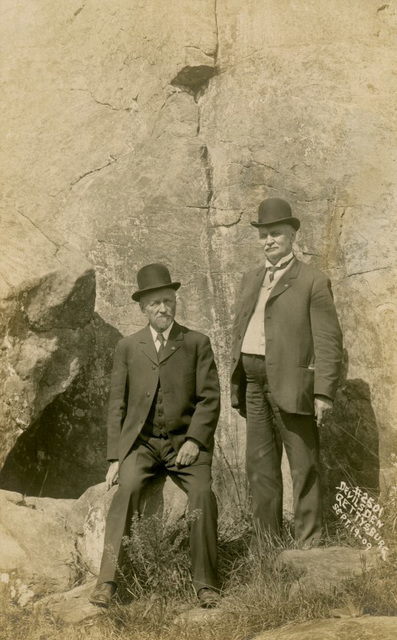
(146, 458)
(268, 429)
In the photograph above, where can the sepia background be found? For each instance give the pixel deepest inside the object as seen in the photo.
(138, 131)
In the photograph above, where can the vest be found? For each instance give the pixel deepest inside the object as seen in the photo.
(155, 422)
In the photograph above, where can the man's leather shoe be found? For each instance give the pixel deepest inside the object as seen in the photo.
(102, 594)
(208, 598)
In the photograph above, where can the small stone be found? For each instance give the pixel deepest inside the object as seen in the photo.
(199, 616)
(73, 607)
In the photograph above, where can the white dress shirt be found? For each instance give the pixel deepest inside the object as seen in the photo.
(254, 338)
(165, 333)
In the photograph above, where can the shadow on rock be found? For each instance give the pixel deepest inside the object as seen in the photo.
(62, 453)
(350, 442)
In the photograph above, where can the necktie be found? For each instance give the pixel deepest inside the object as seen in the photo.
(272, 270)
(161, 340)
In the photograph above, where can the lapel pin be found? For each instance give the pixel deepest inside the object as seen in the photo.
(172, 348)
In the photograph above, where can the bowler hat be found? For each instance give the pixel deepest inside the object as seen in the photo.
(153, 276)
(273, 211)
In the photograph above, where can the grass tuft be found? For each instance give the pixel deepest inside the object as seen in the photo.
(258, 592)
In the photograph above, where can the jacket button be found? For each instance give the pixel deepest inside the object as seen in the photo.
(148, 394)
(153, 367)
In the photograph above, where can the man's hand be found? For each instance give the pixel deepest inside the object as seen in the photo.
(188, 453)
(112, 474)
(322, 406)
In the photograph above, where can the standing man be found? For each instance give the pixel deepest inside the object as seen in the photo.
(286, 359)
(163, 411)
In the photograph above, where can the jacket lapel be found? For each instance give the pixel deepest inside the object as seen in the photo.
(253, 291)
(285, 281)
(147, 345)
(173, 343)
(250, 298)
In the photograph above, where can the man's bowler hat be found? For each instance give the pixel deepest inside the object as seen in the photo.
(153, 276)
(273, 211)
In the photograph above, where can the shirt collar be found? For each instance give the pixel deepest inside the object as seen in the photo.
(165, 333)
(281, 262)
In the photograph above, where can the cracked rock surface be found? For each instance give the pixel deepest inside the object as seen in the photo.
(55, 361)
(147, 131)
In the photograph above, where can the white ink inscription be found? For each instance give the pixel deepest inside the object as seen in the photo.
(360, 514)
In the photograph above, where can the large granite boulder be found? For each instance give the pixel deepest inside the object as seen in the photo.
(150, 132)
(88, 516)
(62, 452)
(37, 550)
(47, 301)
(55, 361)
(47, 545)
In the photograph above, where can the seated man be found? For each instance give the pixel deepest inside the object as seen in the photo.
(163, 410)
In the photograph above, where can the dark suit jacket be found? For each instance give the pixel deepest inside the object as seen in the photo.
(303, 338)
(189, 383)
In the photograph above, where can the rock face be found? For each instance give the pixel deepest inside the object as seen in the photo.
(38, 554)
(47, 303)
(360, 628)
(149, 131)
(87, 520)
(88, 516)
(47, 545)
(62, 452)
(55, 361)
